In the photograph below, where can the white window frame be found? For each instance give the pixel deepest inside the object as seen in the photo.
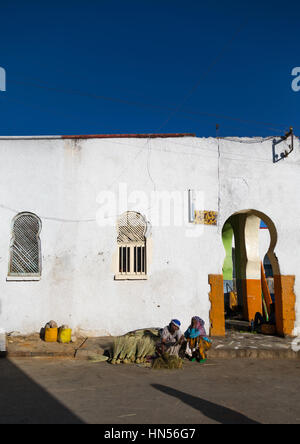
(131, 273)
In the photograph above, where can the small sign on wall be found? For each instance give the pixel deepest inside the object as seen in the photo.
(206, 218)
(199, 217)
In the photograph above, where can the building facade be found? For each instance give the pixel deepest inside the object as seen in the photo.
(113, 233)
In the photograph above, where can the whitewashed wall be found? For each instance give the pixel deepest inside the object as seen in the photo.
(60, 180)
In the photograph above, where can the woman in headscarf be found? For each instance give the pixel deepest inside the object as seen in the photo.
(197, 341)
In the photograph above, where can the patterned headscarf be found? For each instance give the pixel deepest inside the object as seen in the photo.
(200, 325)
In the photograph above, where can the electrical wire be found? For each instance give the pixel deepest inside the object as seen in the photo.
(218, 156)
(211, 66)
(161, 108)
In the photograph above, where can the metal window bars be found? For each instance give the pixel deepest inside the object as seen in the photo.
(132, 228)
(25, 247)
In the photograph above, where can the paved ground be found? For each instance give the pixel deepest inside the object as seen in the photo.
(250, 345)
(78, 391)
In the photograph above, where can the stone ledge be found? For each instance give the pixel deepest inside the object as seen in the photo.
(212, 354)
(253, 354)
(233, 345)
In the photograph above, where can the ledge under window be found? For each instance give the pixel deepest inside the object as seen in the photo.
(131, 277)
(20, 278)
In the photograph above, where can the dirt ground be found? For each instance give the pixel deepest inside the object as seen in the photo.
(221, 391)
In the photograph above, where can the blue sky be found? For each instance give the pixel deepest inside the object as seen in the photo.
(148, 66)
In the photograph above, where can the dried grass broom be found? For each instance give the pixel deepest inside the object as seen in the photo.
(168, 362)
(117, 349)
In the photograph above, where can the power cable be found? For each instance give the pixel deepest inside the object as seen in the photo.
(219, 156)
(161, 108)
(214, 62)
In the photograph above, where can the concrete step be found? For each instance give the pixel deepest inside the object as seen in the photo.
(233, 324)
(234, 345)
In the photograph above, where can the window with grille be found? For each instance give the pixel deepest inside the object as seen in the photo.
(25, 247)
(132, 259)
(132, 251)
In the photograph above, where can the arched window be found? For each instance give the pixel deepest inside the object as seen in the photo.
(25, 248)
(132, 250)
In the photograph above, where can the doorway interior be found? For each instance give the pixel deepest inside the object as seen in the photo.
(250, 265)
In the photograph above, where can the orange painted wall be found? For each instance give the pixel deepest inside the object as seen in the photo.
(217, 311)
(252, 300)
(285, 300)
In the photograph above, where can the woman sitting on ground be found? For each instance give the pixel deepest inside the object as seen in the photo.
(197, 341)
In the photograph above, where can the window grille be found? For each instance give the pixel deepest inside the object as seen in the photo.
(25, 248)
(132, 228)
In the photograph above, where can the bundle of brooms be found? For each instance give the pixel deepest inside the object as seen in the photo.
(167, 361)
(138, 346)
(134, 347)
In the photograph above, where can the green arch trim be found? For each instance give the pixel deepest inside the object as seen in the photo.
(227, 237)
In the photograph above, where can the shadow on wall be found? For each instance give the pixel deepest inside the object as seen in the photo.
(22, 401)
(216, 412)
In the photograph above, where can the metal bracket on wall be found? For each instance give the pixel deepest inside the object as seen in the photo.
(291, 146)
(286, 153)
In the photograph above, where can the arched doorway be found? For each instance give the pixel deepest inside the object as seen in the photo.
(245, 275)
(243, 269)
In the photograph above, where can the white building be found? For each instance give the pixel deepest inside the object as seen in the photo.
(68, 253)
